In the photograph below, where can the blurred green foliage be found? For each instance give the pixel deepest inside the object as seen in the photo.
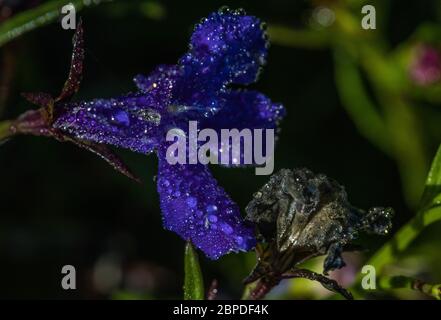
(193, 282)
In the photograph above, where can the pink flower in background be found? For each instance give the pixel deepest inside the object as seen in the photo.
(347, 275)
(426, 66)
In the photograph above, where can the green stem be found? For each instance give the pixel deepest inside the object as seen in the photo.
(298, 38)
(246, 294)
(430, 212)
(5, 131)
(36, 17)
(357, 102)
(401, 240)
(392, 250)
(407, 141)
(403, 282)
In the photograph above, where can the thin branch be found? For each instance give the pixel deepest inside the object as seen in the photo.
(327, 283)
(5, 130)
(401, 282)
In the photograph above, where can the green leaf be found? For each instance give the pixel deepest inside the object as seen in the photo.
(432, 192)
(357, 102)
(193, 283)
(5, 131)
(34, 18)
(430, 212)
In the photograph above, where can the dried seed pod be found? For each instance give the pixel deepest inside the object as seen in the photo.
(300, 215)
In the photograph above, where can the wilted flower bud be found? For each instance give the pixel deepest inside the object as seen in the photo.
(301, 215)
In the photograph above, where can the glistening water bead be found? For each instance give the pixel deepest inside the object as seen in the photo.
(149, 115)
(192, 202)
(211, 209)
(226, 228)
(212, 218)
(120, 117)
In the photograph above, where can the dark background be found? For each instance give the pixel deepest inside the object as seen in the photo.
(61, 205)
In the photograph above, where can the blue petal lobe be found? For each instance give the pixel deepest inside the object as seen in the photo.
(244, 109)
(132, 121)
(198, 209)
(227, 47)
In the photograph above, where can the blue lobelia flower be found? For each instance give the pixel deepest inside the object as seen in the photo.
(226, 48)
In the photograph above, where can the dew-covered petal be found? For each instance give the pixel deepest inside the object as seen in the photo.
(160, 83)
(227, 47)
(246, 109)
(243, 109)
(131, 121)
(198, 209)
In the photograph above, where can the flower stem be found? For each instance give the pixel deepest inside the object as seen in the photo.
(5, 130)
(391, 251)
(246, 294)
(401, 240)
(400, 282)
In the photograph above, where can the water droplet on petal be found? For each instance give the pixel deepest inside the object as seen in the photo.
(226, 228)
(149, 115)
(120, 117)
(199, 213)
(211, 209)
(192, 202)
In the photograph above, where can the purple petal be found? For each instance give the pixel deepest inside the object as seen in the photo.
(244, 110)
(160, 83)
(131, 121)
(197, 209)
(227, 47)
(231, 43)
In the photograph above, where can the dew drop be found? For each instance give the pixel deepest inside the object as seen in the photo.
(120, 117)
(226, 228)
(165, 183)
(223, 10)
(192, 202)
(149, 115)
(257, 195)
(199, 213)
(211, 209)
